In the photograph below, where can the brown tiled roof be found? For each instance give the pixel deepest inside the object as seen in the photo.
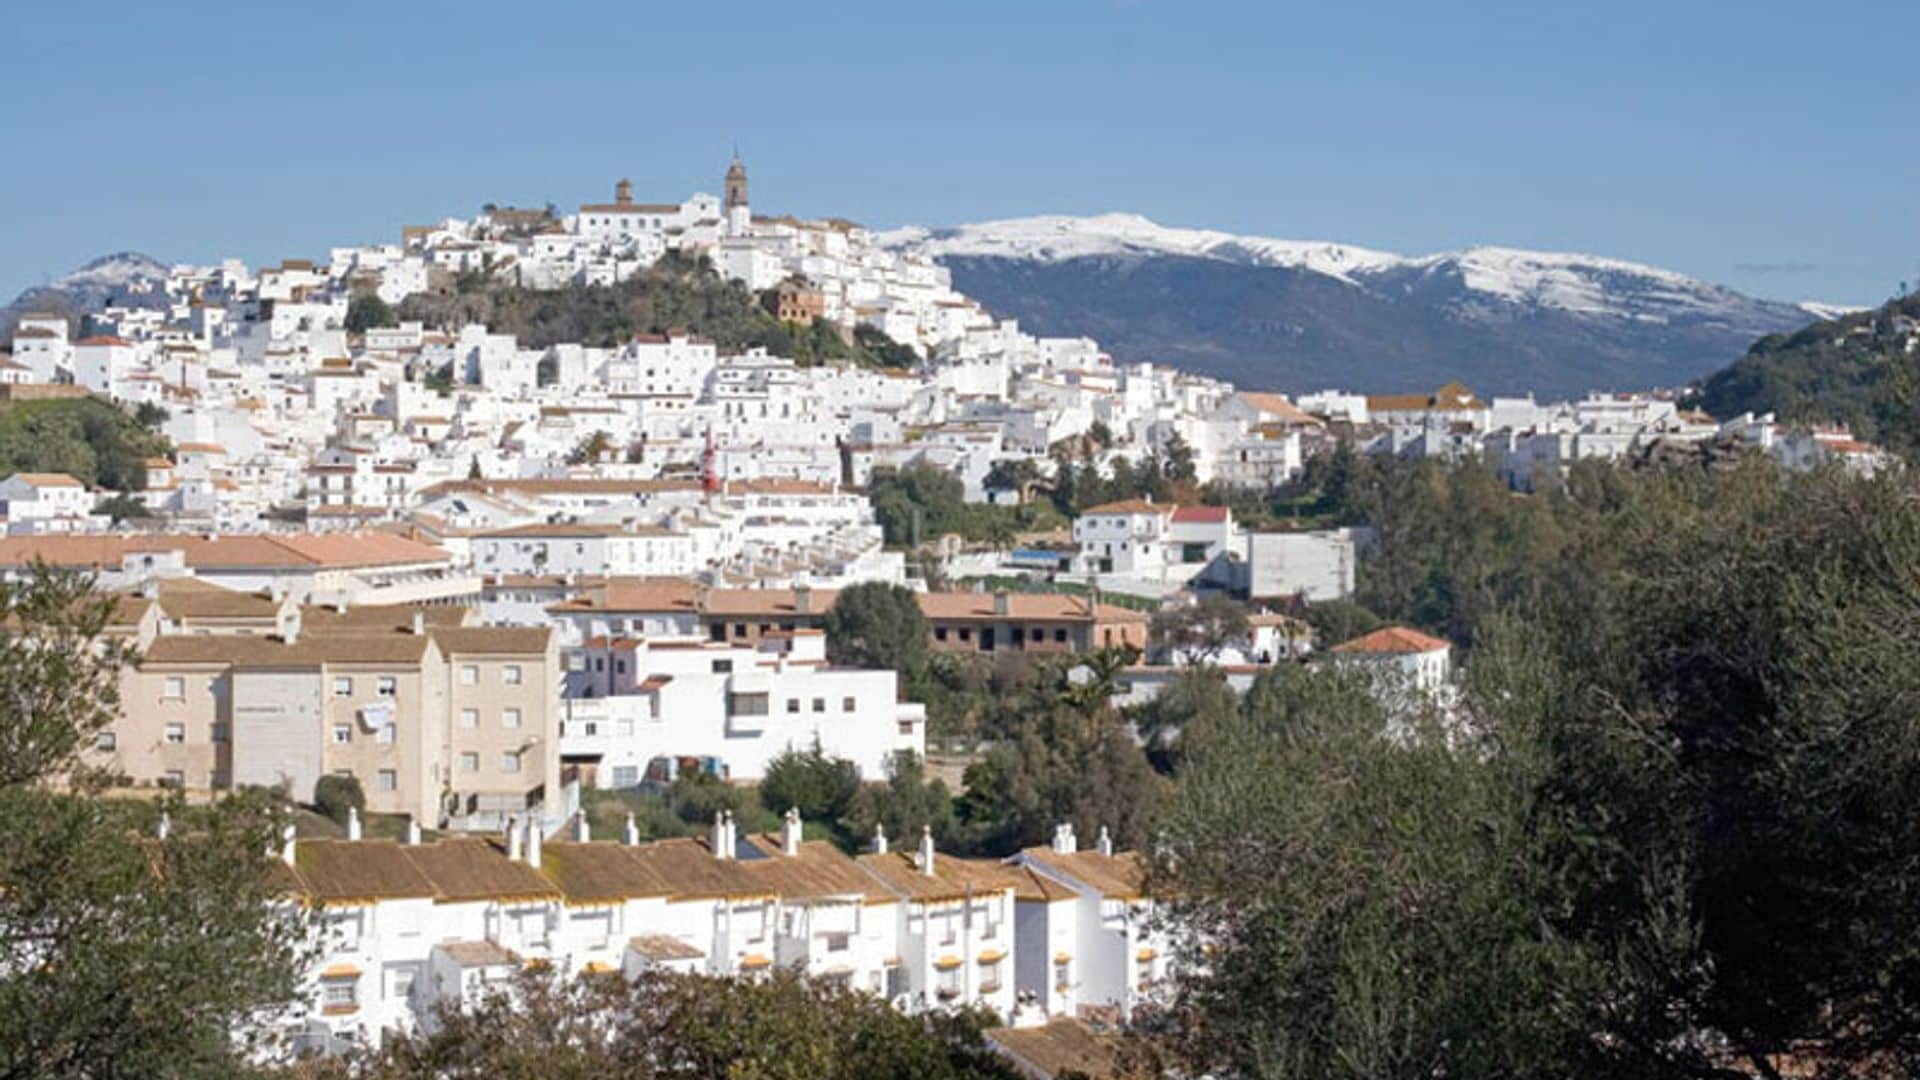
(46, 479)
(1120, 876)
(337, 550)
(1278, 405)
(473, 954)
(190, 598)
(1039, 888)
(662, 947)
(600, 872)
(476, 870)
(728, 602)
(1064, 1045)
(952, 877)
(1056, 607)
(493, 640)
(819, 870)
(694, 874)
(1129, 506)
(634, 594)
(343, 871)
(251, 651)
(380, 618)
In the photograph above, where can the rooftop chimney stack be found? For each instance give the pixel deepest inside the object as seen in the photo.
(513, 839)
(1002, 603)
(353, 823)
(533, 843)
(790, 832)
(413, 831)
(164, 827)
(632, 832)
(1063, 839)
(582, 829)
(803, 599)
(1106, 842)
(286, 845)
(721, 844)
(879, 840)
(419, 623)
(926, 850)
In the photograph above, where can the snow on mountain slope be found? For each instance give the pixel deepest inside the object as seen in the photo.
(112, 272)
(1051, 238)
(1586, 285)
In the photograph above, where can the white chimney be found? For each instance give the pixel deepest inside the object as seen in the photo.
(413, 831)
(717, 840)
(790, 832)
(419, 623)
(353, 823)
(1106, 842)
(533, 843)
(926, 850)
(879, 839)
(1002, 603)
(286, 845)
(632, 836)
(164, 827)
(1063, 840)
(513, 840)
(582, 829)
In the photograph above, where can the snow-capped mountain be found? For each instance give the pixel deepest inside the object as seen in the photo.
(118, 279)
(1296, 313)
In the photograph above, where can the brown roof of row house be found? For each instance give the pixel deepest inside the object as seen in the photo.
(465, 870)
(1035, 607)
(190, 598)
(695, 874)
(381, 618)
(338, 871)
(953, 878)
(1120, 876)
(818, 871)
(662, 947)
(1061, 1046)
(601, 873)
(493, 640)
(248, 651)
(333, 550)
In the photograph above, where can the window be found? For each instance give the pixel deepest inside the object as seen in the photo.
(176, 689)
(220, 732)
(387, 686)
(343, 733)
(939, 633)
(966, 634)
(906, 727)
(342, 687)
(747, 704)
(626, 776)
(469, 718)
(105, 741)
(576, 662)
(717, 632)
(388, 779)
(722, 667)
(739, 629)
(510, 718)
(469, 762)
(339, 993)
(793, 704)
(1060, 635)
(510, 762)
(175, 778)
(469, 675)
(383, 734)
(176, 733)
(510, 674)
(846, 704)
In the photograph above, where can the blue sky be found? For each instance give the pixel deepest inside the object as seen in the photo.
(1770, 147)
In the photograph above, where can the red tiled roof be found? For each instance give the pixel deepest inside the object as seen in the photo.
(1209, 515)
(1393, 640)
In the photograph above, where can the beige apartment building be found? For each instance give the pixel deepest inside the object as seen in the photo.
(454, 724)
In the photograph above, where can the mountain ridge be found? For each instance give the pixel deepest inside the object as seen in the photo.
(1261, 311)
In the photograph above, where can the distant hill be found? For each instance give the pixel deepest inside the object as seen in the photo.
(1307, 315)
(123, 279)
(1862, 370)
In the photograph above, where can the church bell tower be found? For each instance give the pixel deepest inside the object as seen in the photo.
(738, 217)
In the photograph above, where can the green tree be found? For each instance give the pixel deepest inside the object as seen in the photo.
(125, 949)
(878, 625)
(121, 506)
(1203, 629)
(334, 795)
(820, 787)
(905, 804)
(666, 1025)
(365, 311)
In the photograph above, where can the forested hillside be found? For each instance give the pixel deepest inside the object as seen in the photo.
(84, 437)
(1859, 370)
(675, 294)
